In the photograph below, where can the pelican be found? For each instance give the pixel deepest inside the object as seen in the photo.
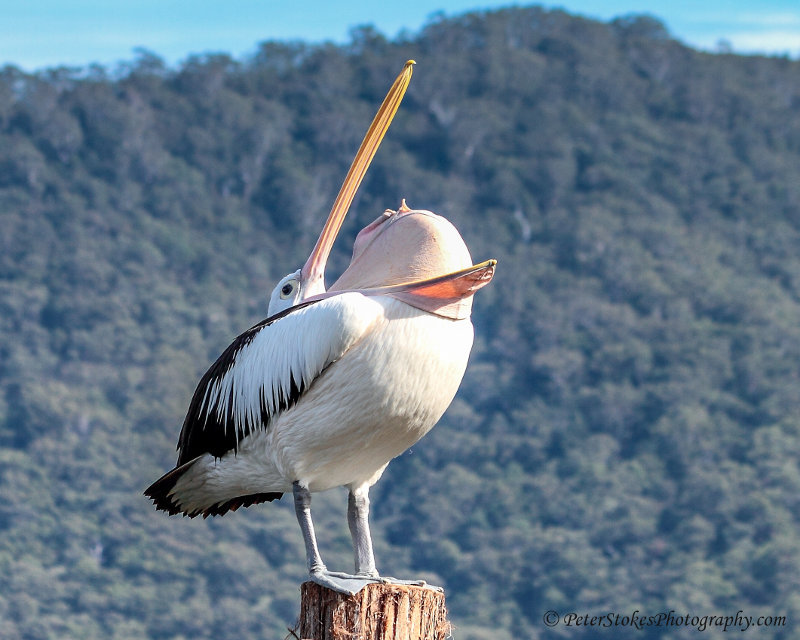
(334, 384)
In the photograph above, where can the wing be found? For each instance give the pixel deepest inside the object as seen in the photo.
(267, 369)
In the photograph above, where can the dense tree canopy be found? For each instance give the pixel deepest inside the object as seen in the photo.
(628, 433)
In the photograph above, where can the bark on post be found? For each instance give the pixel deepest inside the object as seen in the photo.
(377, 612)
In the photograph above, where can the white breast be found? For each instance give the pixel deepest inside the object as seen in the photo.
(381, 397)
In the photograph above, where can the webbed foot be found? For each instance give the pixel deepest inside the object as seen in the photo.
(346, 583)
(351, 584)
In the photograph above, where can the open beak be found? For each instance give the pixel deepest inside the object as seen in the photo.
(313, 271)
(449, 295)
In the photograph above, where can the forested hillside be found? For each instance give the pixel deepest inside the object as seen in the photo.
(627, 435)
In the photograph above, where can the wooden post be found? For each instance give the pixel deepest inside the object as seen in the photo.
(377, 612)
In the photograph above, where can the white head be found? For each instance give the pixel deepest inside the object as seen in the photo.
(287, 294)
(414, 256)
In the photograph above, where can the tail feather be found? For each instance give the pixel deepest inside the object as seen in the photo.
(160, 492)
(167, 496)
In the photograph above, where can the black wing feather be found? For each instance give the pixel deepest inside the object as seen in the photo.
(203, 430)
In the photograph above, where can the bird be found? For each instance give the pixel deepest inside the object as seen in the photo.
(334, 383)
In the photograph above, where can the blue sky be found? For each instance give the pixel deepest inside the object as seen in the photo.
(44, 33)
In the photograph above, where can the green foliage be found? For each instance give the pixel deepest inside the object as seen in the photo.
(627, 434)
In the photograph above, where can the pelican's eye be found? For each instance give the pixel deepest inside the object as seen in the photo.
(288, 288)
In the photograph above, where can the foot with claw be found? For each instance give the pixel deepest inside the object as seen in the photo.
(342, 582)
(352, 584)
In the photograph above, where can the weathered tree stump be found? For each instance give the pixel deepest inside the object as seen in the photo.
(377, 612)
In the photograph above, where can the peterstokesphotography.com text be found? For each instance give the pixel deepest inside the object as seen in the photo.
(666, 619)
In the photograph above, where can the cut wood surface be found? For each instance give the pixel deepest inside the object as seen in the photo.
(377, 612)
